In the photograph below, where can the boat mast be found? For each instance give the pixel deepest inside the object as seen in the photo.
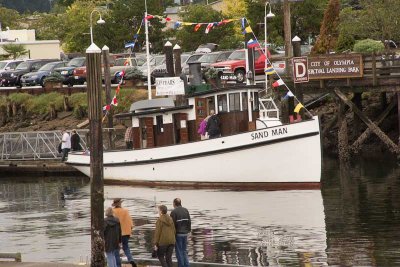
(147, 51)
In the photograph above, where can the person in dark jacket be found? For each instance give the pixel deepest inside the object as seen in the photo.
(183, 226)
(112, 238)
(75, 141)
(213, 124)
(164, 237)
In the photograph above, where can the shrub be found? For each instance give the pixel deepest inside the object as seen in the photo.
(368, 46)
(211, 73)
(133, 74)
(40, 104)
(20, 98)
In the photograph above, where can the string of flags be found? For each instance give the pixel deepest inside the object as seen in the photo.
(114, 100)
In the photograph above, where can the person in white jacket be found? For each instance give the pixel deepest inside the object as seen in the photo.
(65, 144)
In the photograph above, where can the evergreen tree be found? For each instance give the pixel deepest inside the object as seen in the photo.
(329, 31)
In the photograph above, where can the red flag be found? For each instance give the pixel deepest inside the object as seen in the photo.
(149, 17)
(209, 26)
(278, 83)
(122, 73)
(106, 107)
(197, 27)
(168, 19)
(114, 101)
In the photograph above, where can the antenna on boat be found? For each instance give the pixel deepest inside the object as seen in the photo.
(147, 51)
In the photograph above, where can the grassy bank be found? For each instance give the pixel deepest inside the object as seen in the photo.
(40, 104)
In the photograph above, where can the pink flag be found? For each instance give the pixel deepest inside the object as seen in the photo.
(106, 107)
(278, 83)
(209, 26)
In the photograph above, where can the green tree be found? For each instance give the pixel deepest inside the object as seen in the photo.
(15, 50)
(303, 24)
(8, 18)
(50, 26)
(371, 19)
(189, 40)
(368, 46)
(329, 31)
(125, 19)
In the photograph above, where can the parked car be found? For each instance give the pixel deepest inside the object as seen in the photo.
(6, 65)
(125, 63)
(13, 77)
(191, 59)
(155, 61)
(37, 77)
(236, 64)
(161, 70)
(207, 59)
(68, 71)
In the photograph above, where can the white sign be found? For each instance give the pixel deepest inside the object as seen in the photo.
(169, 86)
(300, 72)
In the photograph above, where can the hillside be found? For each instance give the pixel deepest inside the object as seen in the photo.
(27, 5)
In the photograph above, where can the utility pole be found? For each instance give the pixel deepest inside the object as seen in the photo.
(93, 61)
(288, 34)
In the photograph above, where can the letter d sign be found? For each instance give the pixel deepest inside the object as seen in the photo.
(300, 71)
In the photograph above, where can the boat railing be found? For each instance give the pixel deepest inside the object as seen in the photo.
(268, 109)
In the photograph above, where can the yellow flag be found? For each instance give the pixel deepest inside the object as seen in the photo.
(298, 107)
(248, 29)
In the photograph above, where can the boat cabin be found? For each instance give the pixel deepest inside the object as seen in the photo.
(158, 122)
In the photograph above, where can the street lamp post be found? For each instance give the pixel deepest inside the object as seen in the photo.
(100, 21)
(269, 15)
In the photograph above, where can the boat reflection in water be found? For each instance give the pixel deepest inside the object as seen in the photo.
(249, 228)
(246, 228)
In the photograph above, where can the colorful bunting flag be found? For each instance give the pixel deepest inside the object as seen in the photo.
(106, 108)
(114, 101)
(168, 19)
(278, 83)
(117, 90)
(131, 44)
(247, 30)
(298, 107)
(288, 94)
(209, 26)
(197, 27)
(243, 23)
(149, 17)
(270, 70)
(252, 43)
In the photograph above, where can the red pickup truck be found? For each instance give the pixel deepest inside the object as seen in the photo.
(236, 64)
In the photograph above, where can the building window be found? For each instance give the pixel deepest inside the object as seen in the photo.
(245, 101)
(234, 102)
(222, 103)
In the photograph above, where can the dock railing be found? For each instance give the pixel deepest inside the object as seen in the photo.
(33, 145)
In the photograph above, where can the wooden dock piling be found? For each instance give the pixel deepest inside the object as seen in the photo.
(93, 61)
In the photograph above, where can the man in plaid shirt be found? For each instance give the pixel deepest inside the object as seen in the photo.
(129, 138)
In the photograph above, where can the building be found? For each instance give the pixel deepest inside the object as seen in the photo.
(42, 49)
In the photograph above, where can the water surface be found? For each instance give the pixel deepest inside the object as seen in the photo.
(353, 220)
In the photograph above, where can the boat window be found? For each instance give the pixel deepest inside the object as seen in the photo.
(256, 103)
(234, 102)
(244, 101)
(211, 104)
(222, 103)
(160, 124)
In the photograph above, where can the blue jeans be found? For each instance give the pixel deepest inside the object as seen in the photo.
(181, 251)
(125, 248)
(117, 257)
(111, 258)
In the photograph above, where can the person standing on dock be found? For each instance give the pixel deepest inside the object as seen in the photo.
(75, 141)
(65, 144)
(129, 138)
(112, 238)
(126, 226)
(183, 226)
(164, 237)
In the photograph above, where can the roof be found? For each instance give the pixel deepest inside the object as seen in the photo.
(157, 103)
(154, 111)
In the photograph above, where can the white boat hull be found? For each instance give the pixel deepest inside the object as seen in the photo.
(284, 154)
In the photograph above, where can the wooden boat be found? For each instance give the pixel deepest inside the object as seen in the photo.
(255, 149)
